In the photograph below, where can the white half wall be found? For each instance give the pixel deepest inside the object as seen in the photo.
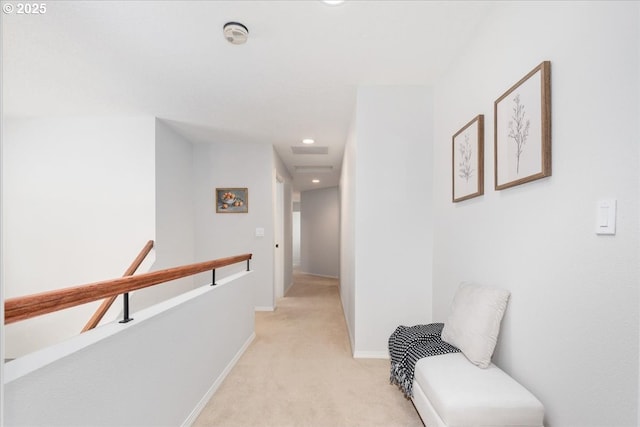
(320, 232)
(78, 205)
(158, 370)
(570, 333)
(233, 165)
(388, 187)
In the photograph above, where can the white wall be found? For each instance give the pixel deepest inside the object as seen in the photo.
(2, 278)
(280, 171)
(175, 234)
(638, 133)
(388, 217)
(320, 232)
(570, 333)
(219, 165)
(158, 370)
(78, 205)
(347, 191)
(296, 237)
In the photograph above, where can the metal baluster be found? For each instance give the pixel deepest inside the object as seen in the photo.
(125, 300)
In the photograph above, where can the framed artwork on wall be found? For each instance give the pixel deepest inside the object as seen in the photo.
(522, 129)
(467, 154)
(232, 200)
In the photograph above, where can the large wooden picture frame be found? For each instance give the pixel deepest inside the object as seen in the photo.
(232, 200)
(467, 156)
(522, 128)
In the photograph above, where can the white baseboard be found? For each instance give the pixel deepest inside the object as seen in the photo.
(344, 313)
(319, 275)
(265, 308)
(370, 354)
(209, 394)
(288, 288)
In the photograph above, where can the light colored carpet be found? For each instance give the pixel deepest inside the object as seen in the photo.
(299, 371)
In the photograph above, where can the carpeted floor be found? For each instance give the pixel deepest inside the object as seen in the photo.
(299, 371)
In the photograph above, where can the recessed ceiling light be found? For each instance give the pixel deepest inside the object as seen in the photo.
(333, 2)
(315, 181)
(308, 141)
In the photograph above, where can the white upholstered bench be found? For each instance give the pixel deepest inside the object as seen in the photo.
(450, 391)
(465, 389)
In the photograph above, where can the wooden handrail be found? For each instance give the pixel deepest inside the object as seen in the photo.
(26, 307)
(108, 302)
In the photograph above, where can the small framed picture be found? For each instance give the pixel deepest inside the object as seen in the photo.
(468, 160)
(522, 126)
(232, 200)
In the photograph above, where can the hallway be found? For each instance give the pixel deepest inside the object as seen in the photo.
(299, 371)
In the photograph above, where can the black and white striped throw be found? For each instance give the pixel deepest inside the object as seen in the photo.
(407, 345)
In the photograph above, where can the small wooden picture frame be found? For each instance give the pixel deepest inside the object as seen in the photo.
(232, 200)
(522, 126)
(467, 154)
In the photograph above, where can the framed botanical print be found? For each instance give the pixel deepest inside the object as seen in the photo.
(468, 160)
(522, 126)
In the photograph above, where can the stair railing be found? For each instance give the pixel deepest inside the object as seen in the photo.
(108, 302)
(29, 306)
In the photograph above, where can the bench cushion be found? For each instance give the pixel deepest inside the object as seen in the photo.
(464, 395)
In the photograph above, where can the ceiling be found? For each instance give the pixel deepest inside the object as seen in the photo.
(296, 77)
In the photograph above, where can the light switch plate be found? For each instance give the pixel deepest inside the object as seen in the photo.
(259, 232)
(606, 217)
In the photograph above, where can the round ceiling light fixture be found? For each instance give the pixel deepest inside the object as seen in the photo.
(308, 141)
(235, 32)
(315, 181)
(333, 2)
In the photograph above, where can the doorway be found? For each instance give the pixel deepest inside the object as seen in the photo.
(295, 232)
(279, 240)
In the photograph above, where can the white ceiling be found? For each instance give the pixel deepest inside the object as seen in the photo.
(295, 78)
